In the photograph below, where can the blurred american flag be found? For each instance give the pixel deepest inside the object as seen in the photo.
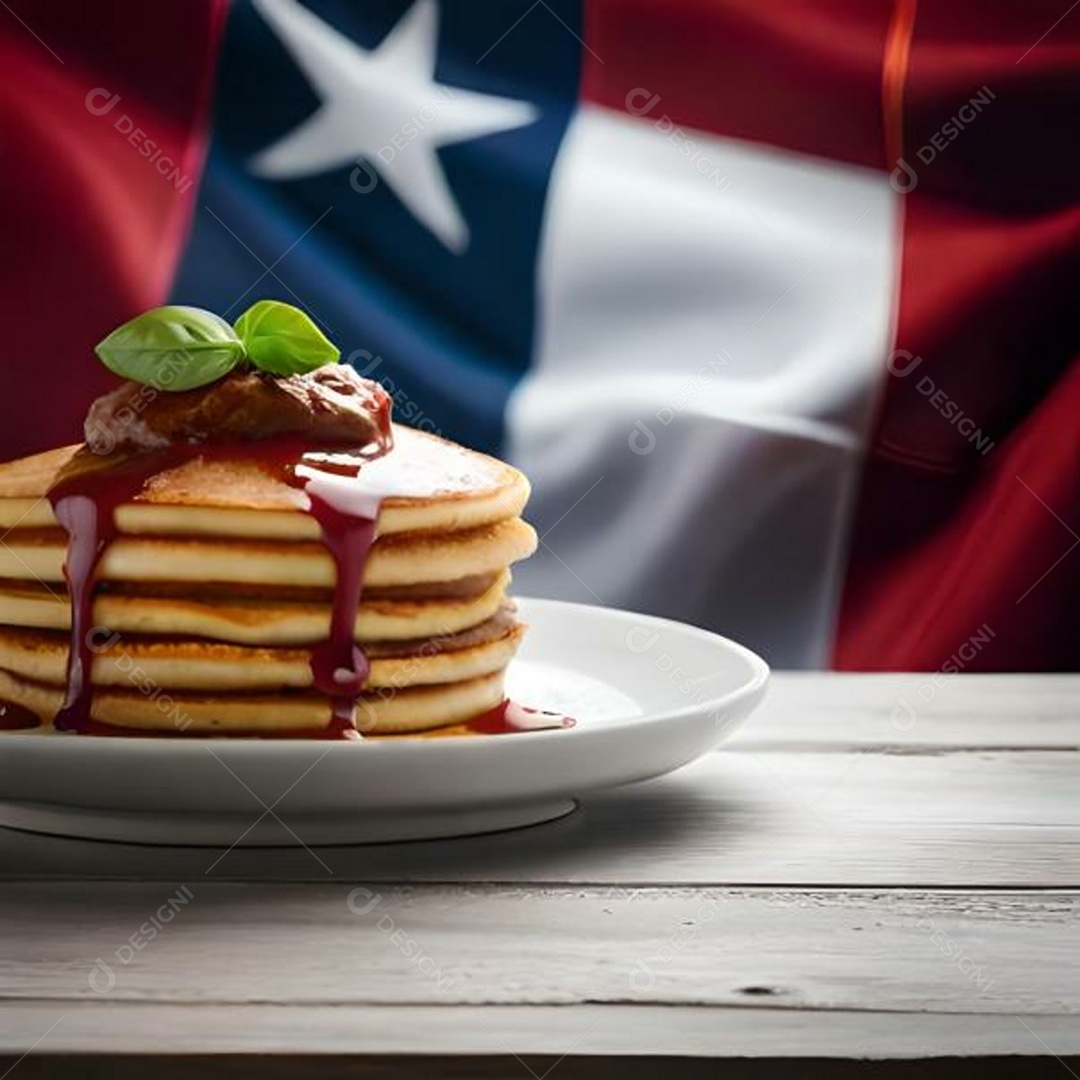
(774, 302)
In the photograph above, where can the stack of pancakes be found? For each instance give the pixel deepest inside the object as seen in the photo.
(217, 586)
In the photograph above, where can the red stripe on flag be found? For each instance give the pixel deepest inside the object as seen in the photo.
(939, 556)
(978, 423)
(93, 215)
(800, 74)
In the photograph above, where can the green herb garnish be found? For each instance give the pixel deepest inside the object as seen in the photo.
(283, 340)
(181, 348)
(172, 348)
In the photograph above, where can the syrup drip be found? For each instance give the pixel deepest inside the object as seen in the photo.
(339, 667)
(85, 503)
(15, 717)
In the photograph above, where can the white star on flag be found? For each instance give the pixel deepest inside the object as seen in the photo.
(383, 106)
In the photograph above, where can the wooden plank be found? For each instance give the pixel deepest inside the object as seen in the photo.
(879, 951)
(918, 712)
(993, 818)
(600, 1036)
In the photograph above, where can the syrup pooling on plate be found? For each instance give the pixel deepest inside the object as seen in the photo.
(510, 718)
(85, 500)
(507, 718)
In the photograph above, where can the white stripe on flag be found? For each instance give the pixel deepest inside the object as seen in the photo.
(714, 321)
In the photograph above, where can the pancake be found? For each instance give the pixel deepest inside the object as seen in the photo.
(220, 586)
(418, 709)
(438, 486)
(248, 621)
(191, 664)
(396, 559)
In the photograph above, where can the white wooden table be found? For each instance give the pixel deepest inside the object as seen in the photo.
(859, 889)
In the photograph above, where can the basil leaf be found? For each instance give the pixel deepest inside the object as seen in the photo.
(282, 340)
(172, 348)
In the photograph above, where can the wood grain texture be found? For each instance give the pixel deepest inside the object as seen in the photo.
(825, 712)
(365, 1040)
(904, 950)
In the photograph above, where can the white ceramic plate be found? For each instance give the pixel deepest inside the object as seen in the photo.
(648, 696)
